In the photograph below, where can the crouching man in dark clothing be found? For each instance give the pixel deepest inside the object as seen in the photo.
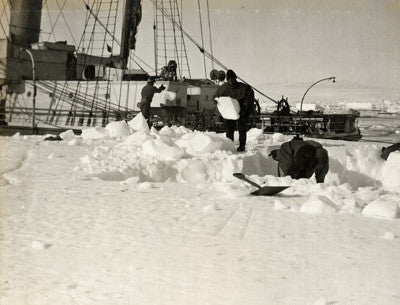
(244, 94)
(301, 159)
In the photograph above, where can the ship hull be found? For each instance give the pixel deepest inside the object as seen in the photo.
(62, 105)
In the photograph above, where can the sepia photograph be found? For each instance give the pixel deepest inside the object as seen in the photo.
(200, 152)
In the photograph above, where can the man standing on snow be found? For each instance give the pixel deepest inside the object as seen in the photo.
(301, 159)
(244, 94)
(148, 92)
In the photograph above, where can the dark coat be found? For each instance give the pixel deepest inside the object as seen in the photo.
(148, 92)
(288, 150)
(243, 93)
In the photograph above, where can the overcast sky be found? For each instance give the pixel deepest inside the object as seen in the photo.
(287, 42)
(294, 41)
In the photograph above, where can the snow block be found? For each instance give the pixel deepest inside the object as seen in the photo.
(136, 139)
(161, 150)
(318, 205)
(350, 206)
(228, 107)
(391, 172)
(118, 129)
(94, 133)
(381, 208)
(202, 143)
(167, 131)
(167, 97)
(139, 123)
(278, 137)
(193, 171)
(75, 142)
(67, 135)
(254, 134)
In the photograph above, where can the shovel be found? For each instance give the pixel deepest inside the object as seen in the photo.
(262, 190)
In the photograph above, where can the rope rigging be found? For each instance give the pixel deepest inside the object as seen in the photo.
(173, 8)
(211, 57)
(49, 16)
(169, 44)
(210, 36)
(55, 22)
(202, 39)
(66, 23)
(4, 13)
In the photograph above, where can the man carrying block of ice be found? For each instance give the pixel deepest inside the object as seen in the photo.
(148, 92)
(241, 94)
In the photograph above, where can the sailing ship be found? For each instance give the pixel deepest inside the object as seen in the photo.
(53, 86)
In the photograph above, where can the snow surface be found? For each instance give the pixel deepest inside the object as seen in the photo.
(128, 215)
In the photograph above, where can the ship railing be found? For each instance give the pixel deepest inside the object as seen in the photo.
(62, 118)
(323, 123)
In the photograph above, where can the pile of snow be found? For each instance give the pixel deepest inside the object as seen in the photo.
(131, 153)
(171, 154)
(228, 107)
(200, 143)
(139, 123)
(94, 133)
(118, 129)
(360, 166)
(391, 172)
(381, 208)
(67, 135)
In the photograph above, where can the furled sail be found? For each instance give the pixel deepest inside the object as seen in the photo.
(135, 12)
(132, 18)
(3, 59)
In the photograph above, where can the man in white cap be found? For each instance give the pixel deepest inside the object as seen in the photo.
(148, 92)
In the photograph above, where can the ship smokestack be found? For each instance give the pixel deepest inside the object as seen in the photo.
(25, 18)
